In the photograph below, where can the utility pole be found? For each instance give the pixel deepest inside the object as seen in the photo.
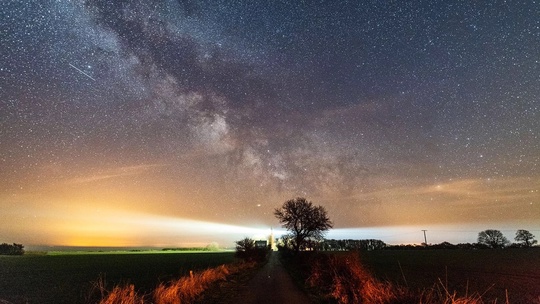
(425, 239)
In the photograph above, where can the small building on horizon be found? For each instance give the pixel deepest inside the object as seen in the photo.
(261, 244)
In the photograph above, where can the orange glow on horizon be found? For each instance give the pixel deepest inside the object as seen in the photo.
(95, 213)
(114, 227)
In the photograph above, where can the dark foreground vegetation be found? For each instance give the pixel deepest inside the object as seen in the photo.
(493, 274)
(186, 289)
(377, 276)
(247, 250)
(87, 278)
(419, 276)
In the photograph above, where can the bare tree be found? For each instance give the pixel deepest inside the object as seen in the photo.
(525, 237)
(492, 238)
(304, 221)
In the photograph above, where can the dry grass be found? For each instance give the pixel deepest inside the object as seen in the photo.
(123, 295)
(119, 295)
(344, 279)
(347, 281)
(183, 290)
(437, 294)
(494, 274)
(186, 289)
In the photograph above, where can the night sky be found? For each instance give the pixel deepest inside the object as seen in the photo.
(165, 123)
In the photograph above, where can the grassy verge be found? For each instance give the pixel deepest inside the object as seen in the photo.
(186, 289)
(223, 291)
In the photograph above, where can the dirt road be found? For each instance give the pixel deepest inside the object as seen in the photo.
(272, 285)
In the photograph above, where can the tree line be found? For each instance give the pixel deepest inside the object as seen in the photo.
(307, 224)
(14, 249)
(493, 238)
(349, 244)
(487, 239)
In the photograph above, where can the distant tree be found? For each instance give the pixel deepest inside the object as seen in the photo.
(492, 238)
(525, 237)
(214, 246)
(15, 249)
(304, 221)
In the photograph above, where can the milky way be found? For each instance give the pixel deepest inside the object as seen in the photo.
(386, 113)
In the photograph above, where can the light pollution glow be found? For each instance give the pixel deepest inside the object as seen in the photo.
(63, 215)
(118, 228)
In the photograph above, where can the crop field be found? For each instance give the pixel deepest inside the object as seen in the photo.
(494, 274)
(69, 277)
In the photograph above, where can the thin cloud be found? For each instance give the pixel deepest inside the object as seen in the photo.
(115, 173)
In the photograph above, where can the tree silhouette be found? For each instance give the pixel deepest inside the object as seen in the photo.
(15, 249)
(525, 237)
(492, 238)
(246, 249)
(304, 221)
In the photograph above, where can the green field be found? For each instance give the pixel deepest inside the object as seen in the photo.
(67, 277)
(488, 272)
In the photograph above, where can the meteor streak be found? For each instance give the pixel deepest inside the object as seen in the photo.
(82, 72)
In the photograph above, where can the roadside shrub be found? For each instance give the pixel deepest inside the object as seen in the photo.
(15, 249)
(249, 252)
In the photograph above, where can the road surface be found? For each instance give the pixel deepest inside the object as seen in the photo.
(272, 285)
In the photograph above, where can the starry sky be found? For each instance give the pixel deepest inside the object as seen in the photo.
(165, 123)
